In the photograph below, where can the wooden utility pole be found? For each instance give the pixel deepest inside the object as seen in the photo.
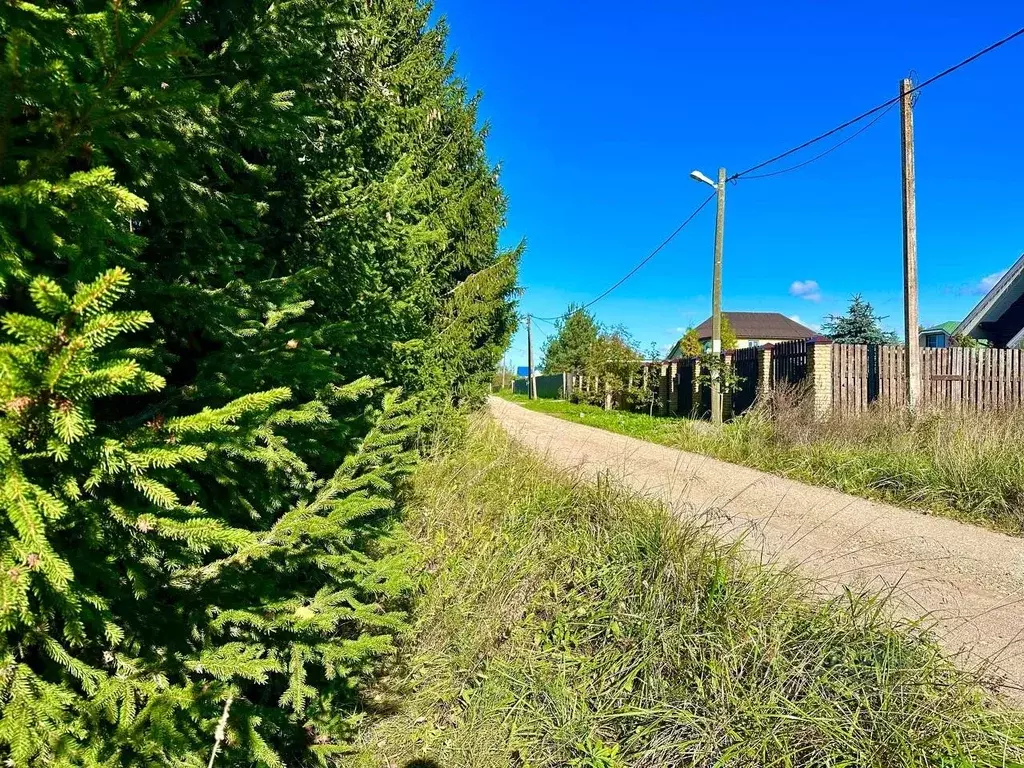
(716, 299)
(913, 364)
(504, 367)
(531, 384)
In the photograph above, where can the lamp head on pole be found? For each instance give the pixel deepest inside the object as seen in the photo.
(698, 176)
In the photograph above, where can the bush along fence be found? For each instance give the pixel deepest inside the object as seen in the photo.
(846, 378)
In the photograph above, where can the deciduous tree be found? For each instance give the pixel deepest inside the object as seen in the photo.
(689, 345)
(729, 340)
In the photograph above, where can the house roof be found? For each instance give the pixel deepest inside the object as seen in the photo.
(949, 327)
(995, 303)
(759, 325)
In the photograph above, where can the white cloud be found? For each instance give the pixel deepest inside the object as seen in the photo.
(806, 289)
(986, 283)
(813, 326)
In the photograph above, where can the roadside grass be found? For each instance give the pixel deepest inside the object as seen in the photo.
(564, 624)
(967, 466)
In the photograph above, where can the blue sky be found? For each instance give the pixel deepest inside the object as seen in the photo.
(598, 112)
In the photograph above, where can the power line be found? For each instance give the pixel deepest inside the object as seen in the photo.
(639, 266)
(827, 152)
(884, 105)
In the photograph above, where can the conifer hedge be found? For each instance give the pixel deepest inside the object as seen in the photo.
(248, 253)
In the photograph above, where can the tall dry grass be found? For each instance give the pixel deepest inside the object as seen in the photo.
(966, 463)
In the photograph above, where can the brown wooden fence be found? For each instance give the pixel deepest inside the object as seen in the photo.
(745, 364)
(851, 377)
(685, 372)
(978, 379)
(789, 362)
(887, 385)
(847, 378)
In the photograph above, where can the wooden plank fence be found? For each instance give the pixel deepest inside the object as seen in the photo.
(789, 363)
(859, 377)
(891, 377)
(851, 377)
(685, 373)
(745, 363)
(973, 379)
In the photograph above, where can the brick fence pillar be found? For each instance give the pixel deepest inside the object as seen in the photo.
(819, 375)
(764, 371)
(673, 388)
(663, 389)
(697, 412)
(727, 409)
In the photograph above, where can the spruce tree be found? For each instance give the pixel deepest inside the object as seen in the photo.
(860, 325)
(572, 347)
(229, 232)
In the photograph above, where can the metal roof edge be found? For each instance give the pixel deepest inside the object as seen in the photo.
(970, 323)
(1017, 341)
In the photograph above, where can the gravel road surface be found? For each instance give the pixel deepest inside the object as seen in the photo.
(968, 579)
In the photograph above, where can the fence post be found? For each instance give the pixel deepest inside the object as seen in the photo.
(673, 388)
(727, 404)
(663, 390)
(819, 374)
(697, 410)
(764, 371)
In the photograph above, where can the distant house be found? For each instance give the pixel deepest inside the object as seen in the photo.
(939, 336)
(753, 329)
(999, 316)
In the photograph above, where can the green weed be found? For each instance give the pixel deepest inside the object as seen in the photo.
(562, 624)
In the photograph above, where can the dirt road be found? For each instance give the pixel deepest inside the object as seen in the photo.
(969, 580)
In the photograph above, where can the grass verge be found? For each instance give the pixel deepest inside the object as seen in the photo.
(967, 466)
(561, 624)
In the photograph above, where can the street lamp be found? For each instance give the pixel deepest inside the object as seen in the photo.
(698, 176)
(716, 287)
